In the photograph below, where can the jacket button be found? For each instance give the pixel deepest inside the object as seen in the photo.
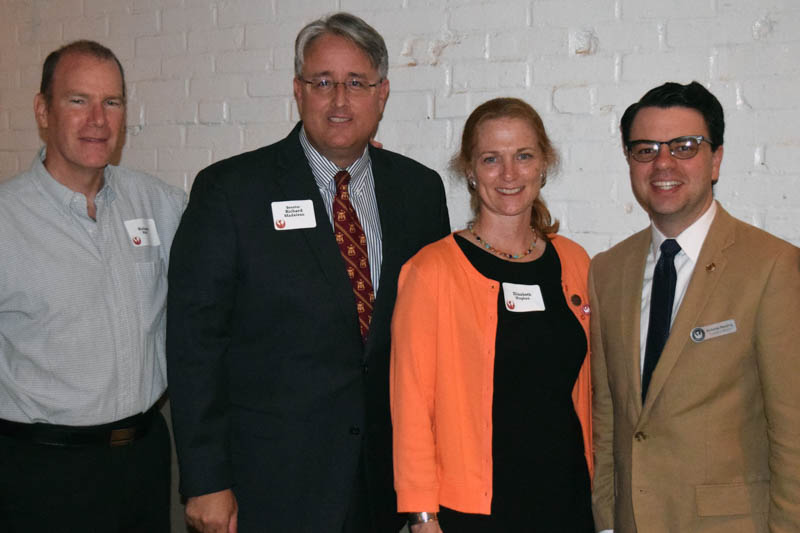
(640, 436)
(355, 430)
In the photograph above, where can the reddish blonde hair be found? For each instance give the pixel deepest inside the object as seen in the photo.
(541, 220)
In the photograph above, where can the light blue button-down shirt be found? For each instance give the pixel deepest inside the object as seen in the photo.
(82, 301)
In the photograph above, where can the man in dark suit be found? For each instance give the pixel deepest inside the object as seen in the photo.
(282, 283)
(694, 344)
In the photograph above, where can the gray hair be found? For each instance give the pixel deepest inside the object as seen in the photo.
(351, 28)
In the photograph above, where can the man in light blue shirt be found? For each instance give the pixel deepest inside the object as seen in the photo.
(82, 316)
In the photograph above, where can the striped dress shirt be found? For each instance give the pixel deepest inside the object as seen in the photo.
(362, 196)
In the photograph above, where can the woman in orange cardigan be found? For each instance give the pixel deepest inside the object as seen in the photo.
(490, 386)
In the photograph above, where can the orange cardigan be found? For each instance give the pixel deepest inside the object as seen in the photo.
(443, 340)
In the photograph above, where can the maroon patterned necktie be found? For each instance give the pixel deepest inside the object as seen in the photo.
(353, 245)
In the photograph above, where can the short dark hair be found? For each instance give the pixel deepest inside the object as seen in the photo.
(350, 27)
(90, 48)
(693, 95)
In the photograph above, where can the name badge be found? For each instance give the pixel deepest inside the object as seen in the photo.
(703, 333)
(522, 298)
(142, 232)
(295, 214)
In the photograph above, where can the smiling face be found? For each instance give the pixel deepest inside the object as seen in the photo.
(507, 166)
(339, 124)
(84, 118)
(674, 192)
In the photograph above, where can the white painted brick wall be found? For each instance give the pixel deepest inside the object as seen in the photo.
(208, 79)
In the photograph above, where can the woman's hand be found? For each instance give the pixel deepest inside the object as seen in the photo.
(427, 527)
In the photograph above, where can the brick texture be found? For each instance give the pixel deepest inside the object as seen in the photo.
(211, 78)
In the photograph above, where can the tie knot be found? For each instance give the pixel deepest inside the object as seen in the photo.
(342, 178)
(670, 248)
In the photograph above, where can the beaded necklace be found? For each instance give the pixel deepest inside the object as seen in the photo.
(485, 244)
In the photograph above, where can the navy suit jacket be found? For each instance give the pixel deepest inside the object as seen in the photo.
(273, 392)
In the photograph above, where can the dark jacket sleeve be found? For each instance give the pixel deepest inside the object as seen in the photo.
(202, 276)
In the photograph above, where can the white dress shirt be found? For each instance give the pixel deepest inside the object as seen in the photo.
(691, 241)
(362, 197)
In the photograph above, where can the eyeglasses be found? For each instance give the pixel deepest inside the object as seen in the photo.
(685, 147)
(326, 86)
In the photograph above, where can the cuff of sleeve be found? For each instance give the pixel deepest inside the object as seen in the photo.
(417, 500)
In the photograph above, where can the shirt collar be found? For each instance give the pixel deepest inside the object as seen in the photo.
(691, 239)
(62, 194)
(324, 169)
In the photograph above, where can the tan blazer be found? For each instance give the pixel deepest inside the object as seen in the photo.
(716, 446)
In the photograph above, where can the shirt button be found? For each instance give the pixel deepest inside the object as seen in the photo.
(355, 430)
(365, 368)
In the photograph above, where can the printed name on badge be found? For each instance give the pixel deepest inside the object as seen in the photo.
(704, 333)
(295, 214)
(522, 298)
(142, 232)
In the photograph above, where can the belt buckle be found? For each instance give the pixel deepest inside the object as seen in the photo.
(122, 437)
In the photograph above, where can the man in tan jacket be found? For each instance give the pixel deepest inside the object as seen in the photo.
(694, 341)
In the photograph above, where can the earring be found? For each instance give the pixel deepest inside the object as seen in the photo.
(473, 184)
(543, 177)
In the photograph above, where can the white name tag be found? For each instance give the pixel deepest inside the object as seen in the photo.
(295, 214)
(142, 232)
(703, 333)
(522, 298)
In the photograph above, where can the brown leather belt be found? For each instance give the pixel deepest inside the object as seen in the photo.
(117, 433)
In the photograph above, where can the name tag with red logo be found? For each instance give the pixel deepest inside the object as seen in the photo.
(294, 214)
(142, 232)
(522, 298)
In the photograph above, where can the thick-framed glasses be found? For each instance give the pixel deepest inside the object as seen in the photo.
(685, 147)
(353, 86)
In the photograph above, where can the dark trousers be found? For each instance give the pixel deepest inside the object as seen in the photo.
(358, 518)
(91, 489)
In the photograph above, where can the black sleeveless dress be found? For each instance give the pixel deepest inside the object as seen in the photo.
(540, 480)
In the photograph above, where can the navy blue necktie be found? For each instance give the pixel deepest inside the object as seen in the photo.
(661, 298)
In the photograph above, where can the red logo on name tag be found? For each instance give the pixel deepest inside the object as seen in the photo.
(510, 304)
(280, 223)
(137, 241)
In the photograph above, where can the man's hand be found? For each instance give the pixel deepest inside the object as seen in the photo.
(427, 527)
(213, 513)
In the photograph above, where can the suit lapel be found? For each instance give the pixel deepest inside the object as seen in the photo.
(632, 277)
(389, 197)
(710, 266)
(296, 182)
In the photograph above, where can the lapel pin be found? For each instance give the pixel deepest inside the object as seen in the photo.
(711, 267)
